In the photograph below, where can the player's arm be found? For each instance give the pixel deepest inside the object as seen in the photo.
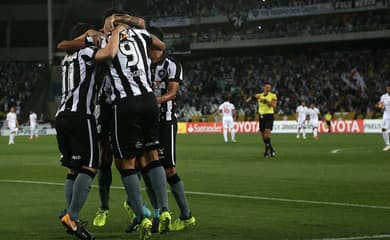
(234, 114)
(133, 21)
(80, 42)
(111, 49)
(173, 88)
(17, 123)
(156, 44)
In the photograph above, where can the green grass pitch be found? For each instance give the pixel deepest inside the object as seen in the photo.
(338, 186)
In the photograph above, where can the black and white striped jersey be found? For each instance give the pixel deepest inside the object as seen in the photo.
(163, 72)
(130, 68)
(78, 82)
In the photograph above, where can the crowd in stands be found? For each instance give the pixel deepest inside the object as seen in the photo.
(350, 81)
(17, 81)
(208, 8)
(316, 25)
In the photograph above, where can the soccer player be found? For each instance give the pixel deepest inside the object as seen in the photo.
(135, 124)
(12, 125)
(384, 104)
(104, 117)
(267, 102)
(301, 114)
(313, 119)
(33, 125)
(229, 114)
(76, 128)
(167, 75)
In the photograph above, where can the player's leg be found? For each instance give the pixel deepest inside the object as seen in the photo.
(31, 132)
(83, 140)
(104, 180)
(152, 166)
(231, 130)
(304, 130)
(225, 130)
(385, 134)
(168, 159)
(268, 125)
(299, 127)
(126, 145)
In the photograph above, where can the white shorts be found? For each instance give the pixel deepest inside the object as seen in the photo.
(313, 123)
(301, 123)
(385, 124)
(227, 122)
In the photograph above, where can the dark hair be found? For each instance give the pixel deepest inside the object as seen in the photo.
(267, 83)
(112, 11)
(80, 28)
(156, 32)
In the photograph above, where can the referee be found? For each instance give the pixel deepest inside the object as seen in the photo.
(267, 101)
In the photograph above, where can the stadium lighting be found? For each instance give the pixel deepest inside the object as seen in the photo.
(259, 28)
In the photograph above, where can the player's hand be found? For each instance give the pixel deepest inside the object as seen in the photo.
(120, 27)
(109, 24)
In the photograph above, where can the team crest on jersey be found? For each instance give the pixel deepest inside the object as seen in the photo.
(162, 73)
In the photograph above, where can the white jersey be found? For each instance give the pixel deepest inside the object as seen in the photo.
(313, 113)
(385, 99)
(11, 118)
(227, 109)
(302, 112)
(33, 119)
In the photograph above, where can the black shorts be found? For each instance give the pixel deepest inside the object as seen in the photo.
(104, 118)
(135, 126)
(167, 137)
(266, 121)
(77, 141)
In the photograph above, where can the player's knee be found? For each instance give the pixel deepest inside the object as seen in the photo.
(172, 180)
(170, 171)
(89, 171)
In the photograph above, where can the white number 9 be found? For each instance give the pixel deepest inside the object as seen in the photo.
(128, 49)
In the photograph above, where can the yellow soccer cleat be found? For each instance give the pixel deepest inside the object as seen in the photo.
(165, 222)
(180, 224)
(100, 218)
(144, 229)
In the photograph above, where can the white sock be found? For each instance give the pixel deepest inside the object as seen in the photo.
(299, 130)
(12, 137)
(386, 137)
(315, 132)
(225, 134)
(232, 133)
(304, 132)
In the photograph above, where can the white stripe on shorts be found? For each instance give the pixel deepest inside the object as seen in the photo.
(116, 133)
(90, 143)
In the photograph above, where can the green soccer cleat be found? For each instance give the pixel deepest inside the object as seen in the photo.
(165, 222)
(144, 229)
(180, 224)
(129, 210)
(100, 218)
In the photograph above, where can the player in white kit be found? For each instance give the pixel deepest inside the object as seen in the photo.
(33, 125)
(12, 124)
(384, 104)
(313, 113)
(301, 114)
(228, 112)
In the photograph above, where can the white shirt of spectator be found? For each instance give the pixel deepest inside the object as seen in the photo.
(302, 112)
(227, 112)
(11, 118)
(33, 120)
(313, 116)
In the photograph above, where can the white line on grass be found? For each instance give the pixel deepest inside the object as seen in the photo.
(340, 204)
(357, 237)
(335, 151)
